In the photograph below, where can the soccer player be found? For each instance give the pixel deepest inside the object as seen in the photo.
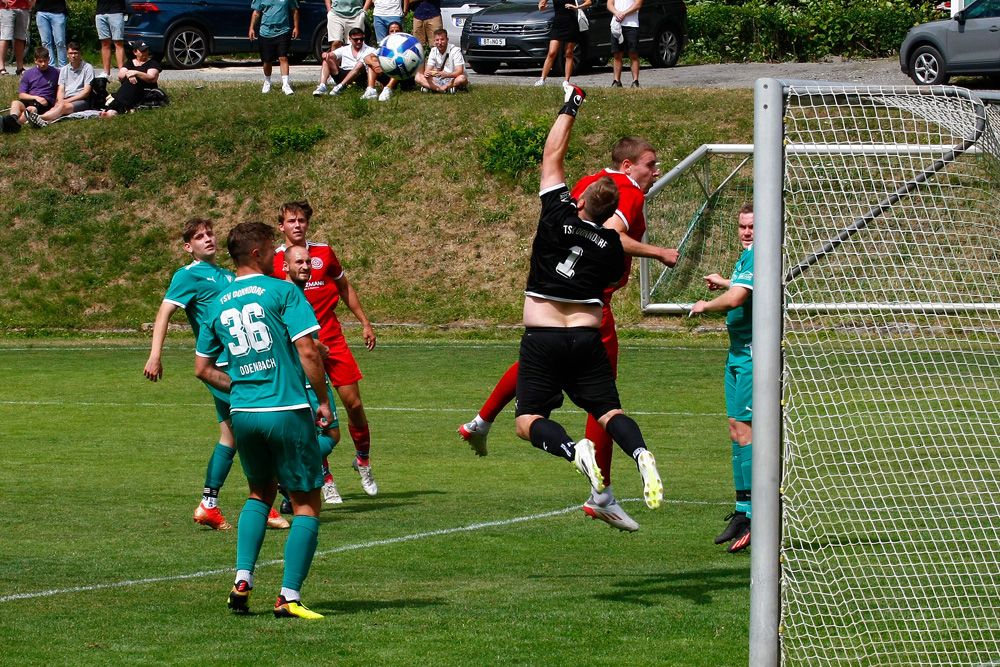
(264, 326)
(737, 301)
(327, 284)
(634, 170)
(193, 288)
(573, 260)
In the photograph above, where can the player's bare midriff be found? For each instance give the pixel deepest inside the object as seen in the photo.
(545, 313)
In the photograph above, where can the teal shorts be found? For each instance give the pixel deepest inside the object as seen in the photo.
(279, 444)
(739, 384)
(314, 403)
(221, 402)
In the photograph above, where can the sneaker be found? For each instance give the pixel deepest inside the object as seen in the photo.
(586, 463)
(385, 94)
(266, 88)
(274, 520)
(367, 481)
(286, 507)
(337, 89)
(652, 487)
(294, 609)
(211, 517)
(424, 90)
(370, 94)
(612, 514)
(476, 439)
(742, 540)
(287, 89)
(451, 91)
(737, 520)
(635, 84)
(35, 119)
(616, 84)
(320, 90)
(331, 496)
(540, 82)
(239, 597)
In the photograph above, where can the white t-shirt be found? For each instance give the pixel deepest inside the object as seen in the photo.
(445, 62)
(348, 60)
(388, 8)
(632, 20)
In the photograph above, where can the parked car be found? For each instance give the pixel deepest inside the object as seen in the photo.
(185, 32)
(515, 33)
(967, 43)
(455, 12)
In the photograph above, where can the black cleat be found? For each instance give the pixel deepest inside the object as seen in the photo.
(741, 542)
(239, 597)
(736, 521)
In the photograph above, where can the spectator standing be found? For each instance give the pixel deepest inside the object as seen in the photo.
(445, 69)
(565, 32)
(38, 88)
(73, 93)
(136, 77)
(279, 25)
(342, 16)
(50, 17)
(625, 37)
(110, 21)
(15, 15)
(386, 12)
(426, 20)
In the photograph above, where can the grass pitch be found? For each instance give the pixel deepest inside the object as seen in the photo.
(458, 561)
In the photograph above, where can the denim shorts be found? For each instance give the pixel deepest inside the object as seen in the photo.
(110, 26)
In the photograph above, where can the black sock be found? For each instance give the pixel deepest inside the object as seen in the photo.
(551, 437)
(283, 490)
(626, 433)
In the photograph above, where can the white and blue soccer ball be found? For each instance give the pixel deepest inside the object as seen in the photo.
(400, 55)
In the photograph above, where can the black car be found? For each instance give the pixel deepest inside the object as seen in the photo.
(515, 33)
(185, 32)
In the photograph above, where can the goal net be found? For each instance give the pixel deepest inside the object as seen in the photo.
(890, 430)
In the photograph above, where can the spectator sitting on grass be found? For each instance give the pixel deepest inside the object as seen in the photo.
(38, 89)
(73, 93)
(445, 69)
(137, 76)
(346, 64)
(371, 62)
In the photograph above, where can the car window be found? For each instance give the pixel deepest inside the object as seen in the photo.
(984, 9)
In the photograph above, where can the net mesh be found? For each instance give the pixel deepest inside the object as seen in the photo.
(891, 454)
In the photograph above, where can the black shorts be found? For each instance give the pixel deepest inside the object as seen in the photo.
(629, 43)
(274, 47)
(40, 107)
(554, 360)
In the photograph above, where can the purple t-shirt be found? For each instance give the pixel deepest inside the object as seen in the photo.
(37, 82)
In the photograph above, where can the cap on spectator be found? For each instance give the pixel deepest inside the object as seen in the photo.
(139, 45)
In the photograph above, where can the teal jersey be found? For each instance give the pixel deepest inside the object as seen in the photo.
(740, 320)
(275, 16)
(194, 287)
(256, 322)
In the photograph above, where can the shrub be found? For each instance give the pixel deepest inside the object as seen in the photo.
(512, 148)
(298, 139)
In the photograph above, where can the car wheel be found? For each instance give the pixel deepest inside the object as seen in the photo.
(320, 45)
(187, 47)
(485, 68)
(927, 67)
(666, 48)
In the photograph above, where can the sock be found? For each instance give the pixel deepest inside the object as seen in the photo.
(267, 77)
(602, 447)
(573, 101)
(746, 459)
(210, 498)
(299, 550)
(326, 469)
(244, 575)
(603, 498)
(219, 465)
(551, 437)
(743, 502)
(291, 595)
(362, 442)
(250, 533)
(501, 395)
(626, 433)
(480, 425)
(737, 469)
(284, 79)
(326, 445)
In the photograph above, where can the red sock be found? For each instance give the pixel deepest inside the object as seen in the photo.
(604, 446)
(362, 441)
(502, 394)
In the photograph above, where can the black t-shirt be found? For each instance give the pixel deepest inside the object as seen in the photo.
(51, 6)
(131, 94)
(572, 260)
(110, 7)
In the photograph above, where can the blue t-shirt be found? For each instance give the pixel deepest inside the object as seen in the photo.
(427, 9)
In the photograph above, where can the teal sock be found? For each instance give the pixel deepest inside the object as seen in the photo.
(250, 533)
(326, 445)
(746, 459)
(299, 550)
(737, 468)
(218, 466)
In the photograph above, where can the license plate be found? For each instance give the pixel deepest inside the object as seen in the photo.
(492, 41)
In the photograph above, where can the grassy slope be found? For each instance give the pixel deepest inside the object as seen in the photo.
(91, 208)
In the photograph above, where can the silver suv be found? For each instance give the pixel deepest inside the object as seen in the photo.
(968, 43)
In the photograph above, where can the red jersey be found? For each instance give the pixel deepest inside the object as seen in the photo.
(631, 209)
(321, 290)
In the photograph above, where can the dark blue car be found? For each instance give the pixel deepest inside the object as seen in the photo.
(185, 32)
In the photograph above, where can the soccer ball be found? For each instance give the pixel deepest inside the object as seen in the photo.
(399, 55)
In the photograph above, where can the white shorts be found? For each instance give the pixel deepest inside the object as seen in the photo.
(14, 24)
(337, 27)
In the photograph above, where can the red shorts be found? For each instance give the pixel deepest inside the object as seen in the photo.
(340, 365)
(609, 337)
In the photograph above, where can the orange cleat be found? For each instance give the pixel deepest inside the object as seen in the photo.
(211, 517)
(274, 520)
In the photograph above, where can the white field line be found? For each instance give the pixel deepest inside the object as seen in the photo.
(421, 346)
(328, 552)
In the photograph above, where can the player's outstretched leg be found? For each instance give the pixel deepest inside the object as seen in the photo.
(574, 97)
(626, 433)
(299, 551)
(603, 506)
(207, 513)
(551, 437)
(476, 431)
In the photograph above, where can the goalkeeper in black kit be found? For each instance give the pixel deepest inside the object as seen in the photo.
(573, 259)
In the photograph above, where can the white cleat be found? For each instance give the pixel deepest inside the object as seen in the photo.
(586, 462)
(331, 496)
(652, 486)
(475, 437)
(611, 513)
(367, 480)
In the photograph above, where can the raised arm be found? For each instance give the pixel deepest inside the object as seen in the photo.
(557, 143)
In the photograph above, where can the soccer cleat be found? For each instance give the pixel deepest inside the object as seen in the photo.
(286, 506)
(330, 493)
(742, 540)
(475, 438)
(616, 84)
(573, 94)
(385, 94)
(239, 597)
(266, 88)
(294, 609)
(652, 486)
(275, 520)
(211, 517)
(367, 480)
(585, 461)
(540, 82)
(35, 119)
(320, 90)
(737, 520)
(336, 90)
(612, 514)
(369, 94)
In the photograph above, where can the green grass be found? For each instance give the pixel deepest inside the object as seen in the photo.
(103, 469)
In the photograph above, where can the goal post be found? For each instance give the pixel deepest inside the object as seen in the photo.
(876, 469)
